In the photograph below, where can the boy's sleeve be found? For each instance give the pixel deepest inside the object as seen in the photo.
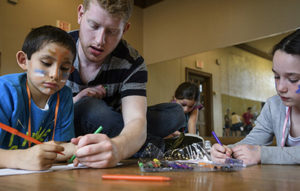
(6, 107)
(64, 130)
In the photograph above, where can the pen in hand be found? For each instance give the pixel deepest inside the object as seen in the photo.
(216, 137)
(96, 132)
(218, 140)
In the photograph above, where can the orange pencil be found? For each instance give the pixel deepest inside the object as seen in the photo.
(18, 133)
(134, 177)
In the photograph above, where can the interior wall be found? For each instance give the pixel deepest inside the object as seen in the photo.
(173, 29)
(135, 33)
(163, 79)
(16, 21)
(236, 73)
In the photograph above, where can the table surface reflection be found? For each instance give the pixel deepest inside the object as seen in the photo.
(259, 177)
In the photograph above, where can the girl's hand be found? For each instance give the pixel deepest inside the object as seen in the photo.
(175, 134)
(220, 153)
(250, 154)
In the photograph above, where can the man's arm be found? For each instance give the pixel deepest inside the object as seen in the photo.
(99, 151)
(133, 134)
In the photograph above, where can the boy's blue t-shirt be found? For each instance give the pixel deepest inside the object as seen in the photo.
(14, 112)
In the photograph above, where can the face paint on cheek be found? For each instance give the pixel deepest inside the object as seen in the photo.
(65, 76)
(40, 73)
(298, 91)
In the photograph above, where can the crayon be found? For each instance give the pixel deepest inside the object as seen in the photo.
(134, 177)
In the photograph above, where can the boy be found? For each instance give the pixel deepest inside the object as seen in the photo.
(37, 103)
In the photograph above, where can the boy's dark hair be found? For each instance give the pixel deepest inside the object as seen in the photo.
(290, 44)
(187, 90)
(39, 37)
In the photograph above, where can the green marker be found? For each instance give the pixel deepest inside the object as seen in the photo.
(96, 132)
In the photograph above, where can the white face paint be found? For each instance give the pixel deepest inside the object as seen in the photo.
(40, 73)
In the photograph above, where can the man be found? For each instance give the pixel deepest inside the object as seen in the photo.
(236, 124)
(109, 87)
(248, 117)
(102, 25)
(227, 121)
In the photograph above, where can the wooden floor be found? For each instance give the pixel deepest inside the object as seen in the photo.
(259, 177)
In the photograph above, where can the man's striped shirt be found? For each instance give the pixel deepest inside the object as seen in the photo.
(123, 72)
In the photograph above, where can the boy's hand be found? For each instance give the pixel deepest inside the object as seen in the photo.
(250, 154)
(39, 157)
(220, 153)
(96, 151)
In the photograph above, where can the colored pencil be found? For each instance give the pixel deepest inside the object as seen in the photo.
(18, 133)
(134, 177)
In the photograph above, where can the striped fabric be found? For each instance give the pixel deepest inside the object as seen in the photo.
(124, 73)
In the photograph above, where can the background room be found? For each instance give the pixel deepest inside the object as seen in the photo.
(181, 40)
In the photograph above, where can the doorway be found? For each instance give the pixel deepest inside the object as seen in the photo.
(205, 115)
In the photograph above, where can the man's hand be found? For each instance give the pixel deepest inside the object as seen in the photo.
(250, 154)
(220, 153)
(96, 91)
(175, 134)
(96, 151)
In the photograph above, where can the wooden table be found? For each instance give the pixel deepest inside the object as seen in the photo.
(259, 177)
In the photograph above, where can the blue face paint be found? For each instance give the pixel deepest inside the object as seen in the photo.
(65, 76)
(298, 91)
(40, 73)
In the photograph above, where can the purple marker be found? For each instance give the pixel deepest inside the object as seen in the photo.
(216, 137)
(298, 90)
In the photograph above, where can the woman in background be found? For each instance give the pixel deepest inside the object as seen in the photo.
(187, 95)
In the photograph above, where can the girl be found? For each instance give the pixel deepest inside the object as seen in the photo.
(187, 95)
(280, 115)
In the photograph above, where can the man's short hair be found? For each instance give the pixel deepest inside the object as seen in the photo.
(37, 38)
(120, 8)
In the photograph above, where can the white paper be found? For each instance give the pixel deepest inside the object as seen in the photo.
(10, 171)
